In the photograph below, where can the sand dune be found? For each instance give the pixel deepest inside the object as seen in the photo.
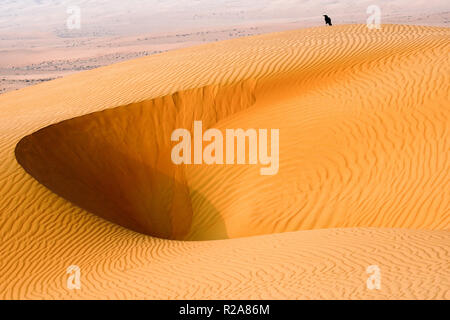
(364, 161)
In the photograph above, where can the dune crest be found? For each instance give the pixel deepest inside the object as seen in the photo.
(116, 163)
(364, 156)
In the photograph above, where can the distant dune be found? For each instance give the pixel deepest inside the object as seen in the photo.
(363, 178)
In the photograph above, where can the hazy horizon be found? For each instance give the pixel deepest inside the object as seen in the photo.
(116, 17)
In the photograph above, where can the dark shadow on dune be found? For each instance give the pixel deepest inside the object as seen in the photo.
(113, 185)
(116, 163)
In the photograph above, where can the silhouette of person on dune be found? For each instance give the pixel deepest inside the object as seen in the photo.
(327, 20)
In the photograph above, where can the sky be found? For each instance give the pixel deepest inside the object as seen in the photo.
(131, 16)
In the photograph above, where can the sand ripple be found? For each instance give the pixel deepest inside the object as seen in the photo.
(364, 150)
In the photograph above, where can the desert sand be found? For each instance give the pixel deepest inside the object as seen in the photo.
(86, 176)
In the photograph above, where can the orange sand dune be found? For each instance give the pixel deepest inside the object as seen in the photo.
(363, 178)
